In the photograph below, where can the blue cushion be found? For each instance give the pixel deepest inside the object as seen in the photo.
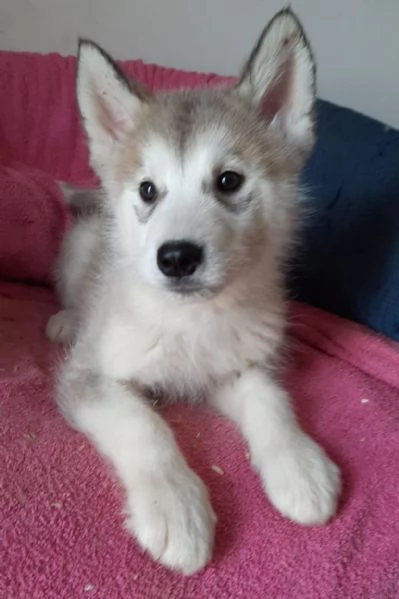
(349, 259)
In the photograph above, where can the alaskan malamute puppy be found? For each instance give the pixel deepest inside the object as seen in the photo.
(173, 284)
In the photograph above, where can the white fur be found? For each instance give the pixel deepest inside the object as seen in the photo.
(132, 333)
(168, 506)
(297, 475)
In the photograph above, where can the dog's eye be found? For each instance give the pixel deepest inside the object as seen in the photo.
(229, 182)
(148, 192)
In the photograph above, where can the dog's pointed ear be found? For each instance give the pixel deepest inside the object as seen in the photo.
(109, 103)
(280, 78)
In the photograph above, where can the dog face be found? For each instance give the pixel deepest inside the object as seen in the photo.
(201, 184)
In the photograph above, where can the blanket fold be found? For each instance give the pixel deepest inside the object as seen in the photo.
(33, 220)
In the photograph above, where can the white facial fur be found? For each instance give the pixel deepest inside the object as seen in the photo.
(231, 236)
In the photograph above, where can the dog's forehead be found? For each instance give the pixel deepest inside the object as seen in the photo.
(193, 132)
(182, 116)
(176, 162)
(199, 121)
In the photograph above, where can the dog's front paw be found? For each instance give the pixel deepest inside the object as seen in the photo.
(302, 482)
(171, 516)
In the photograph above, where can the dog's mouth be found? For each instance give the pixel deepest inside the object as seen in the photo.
(190, 289)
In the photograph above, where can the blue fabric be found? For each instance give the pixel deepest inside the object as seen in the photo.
(349, 261)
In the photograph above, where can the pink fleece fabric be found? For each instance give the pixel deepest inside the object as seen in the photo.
(33, 219)
(61, 527)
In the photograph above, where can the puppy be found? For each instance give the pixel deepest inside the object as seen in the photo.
(173, 284)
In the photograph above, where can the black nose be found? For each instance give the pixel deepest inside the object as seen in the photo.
(179, 258)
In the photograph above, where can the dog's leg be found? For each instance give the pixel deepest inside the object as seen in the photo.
(299, 478)
(168, 507)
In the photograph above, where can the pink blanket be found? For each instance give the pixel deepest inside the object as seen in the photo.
(61, 533)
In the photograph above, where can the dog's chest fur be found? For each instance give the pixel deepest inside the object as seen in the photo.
(185, 349)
